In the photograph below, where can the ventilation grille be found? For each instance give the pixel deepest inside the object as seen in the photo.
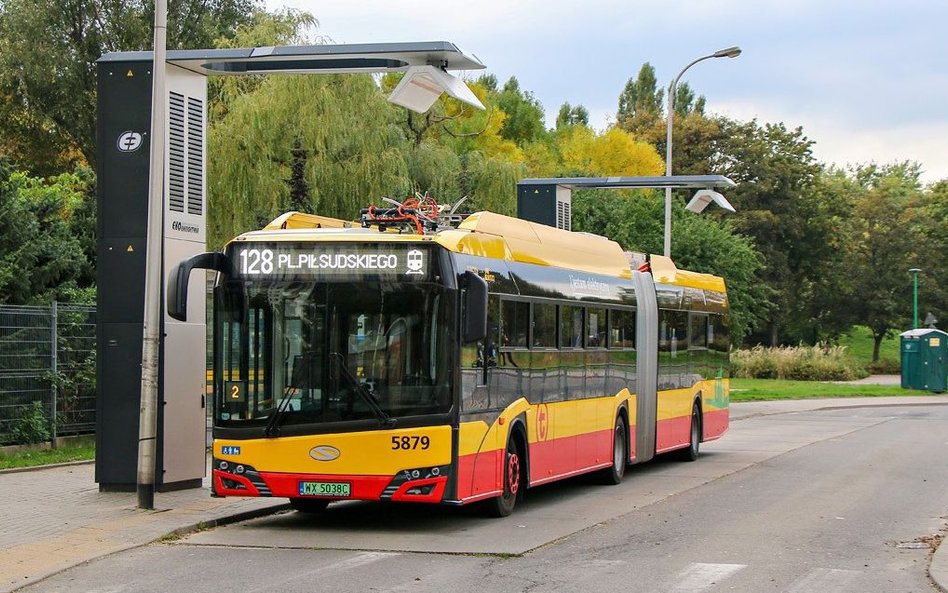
(195, 156)
(185, 154)
(563, 216)
(176, 153)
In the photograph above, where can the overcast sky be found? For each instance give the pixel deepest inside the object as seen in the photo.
(867, 80)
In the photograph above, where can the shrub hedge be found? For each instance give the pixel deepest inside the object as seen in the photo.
(800, 363)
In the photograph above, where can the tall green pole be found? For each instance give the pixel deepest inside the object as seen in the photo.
(915, 272)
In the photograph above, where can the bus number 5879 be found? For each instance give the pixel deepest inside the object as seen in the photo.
(410, 442)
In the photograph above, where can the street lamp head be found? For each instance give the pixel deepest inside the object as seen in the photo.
(915, 270)
(730, 52)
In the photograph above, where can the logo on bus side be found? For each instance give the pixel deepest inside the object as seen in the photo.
(324, 453)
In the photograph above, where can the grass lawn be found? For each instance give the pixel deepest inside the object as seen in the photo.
(858, 342)
(81, 452)
(743, 390)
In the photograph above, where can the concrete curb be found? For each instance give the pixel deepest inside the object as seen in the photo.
(33, 468)
(792, 406)
(938, 569)
(218, 522)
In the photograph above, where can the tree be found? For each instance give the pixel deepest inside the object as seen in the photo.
(932, 220)
(262, 29)
(883, 245)
(685, 101)
(615, 152)
(355, 151)
(569, 115)
(640, 103)
(41, 256)
(524, 121)
(792, 227)
(696, 136)
(47, 66)
(825, 290)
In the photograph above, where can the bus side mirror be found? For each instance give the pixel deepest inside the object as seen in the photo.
(180, 274)
(475, 307)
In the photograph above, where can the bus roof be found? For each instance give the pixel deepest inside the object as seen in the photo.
(496, 236)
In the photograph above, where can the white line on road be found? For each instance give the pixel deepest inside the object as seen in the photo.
(702, 576)
(358, 560)
(824, 580)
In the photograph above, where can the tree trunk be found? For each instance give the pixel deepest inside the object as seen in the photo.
(876, 344)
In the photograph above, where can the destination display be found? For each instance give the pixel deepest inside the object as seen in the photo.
(275, 261)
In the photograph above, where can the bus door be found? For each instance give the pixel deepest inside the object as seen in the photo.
(646, 341)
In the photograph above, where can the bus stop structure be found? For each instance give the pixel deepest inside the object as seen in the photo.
(124, 121)
(549, 200)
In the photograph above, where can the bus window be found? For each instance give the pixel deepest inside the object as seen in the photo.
(621, 328)
(595, 327)
(245, 391)
(544, 326)
(514, 324)
(672, 331)
(718, 344)
(571, 327)
(718, 338)
(699, 331)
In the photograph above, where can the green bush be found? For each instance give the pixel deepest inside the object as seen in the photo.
(756, 363)
(801, 363)
(31, 425)
(885, 366)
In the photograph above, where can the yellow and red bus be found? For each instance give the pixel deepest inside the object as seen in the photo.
(454, 366)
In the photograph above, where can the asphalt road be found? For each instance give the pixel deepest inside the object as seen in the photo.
(823, 501)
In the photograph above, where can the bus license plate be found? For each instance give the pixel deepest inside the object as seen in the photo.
(325, 488)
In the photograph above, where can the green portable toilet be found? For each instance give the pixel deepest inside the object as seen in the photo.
(925, 359)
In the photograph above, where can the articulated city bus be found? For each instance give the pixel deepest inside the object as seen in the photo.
(451, 365)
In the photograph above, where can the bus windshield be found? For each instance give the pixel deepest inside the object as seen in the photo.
(316, 352)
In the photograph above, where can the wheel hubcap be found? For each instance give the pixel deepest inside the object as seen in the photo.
(513, 472)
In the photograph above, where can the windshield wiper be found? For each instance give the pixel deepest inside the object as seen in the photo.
(384, 419)
(276, 416)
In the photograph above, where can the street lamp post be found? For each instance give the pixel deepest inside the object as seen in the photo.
(730, 52)
(915, 272)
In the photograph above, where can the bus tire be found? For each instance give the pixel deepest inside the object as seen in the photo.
(309, 505)
(620, 454)
(690, 453)
(514, 483)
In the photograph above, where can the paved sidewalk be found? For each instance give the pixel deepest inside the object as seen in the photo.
(55, 518)
(876, 380)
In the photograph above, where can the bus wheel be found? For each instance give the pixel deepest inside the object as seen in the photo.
(504, 504)
(620, 454)
(309, 505)
(691, 453)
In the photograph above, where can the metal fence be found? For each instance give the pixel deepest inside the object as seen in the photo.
(47, 372)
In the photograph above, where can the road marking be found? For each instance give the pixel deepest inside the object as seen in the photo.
(358, 560)
(824, 580)
(598, 562)
(702, 576)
